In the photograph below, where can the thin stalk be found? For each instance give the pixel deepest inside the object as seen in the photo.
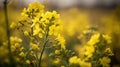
(8, 32)
(37, 60)
(44, 45)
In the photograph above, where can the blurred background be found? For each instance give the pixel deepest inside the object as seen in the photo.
(78, 16)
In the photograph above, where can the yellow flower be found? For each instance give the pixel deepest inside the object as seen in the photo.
(61, 41)
(108, 50)
(36, 5)
(31, 53)
(24, 13)
(56, 61)
(13, 25)
(55, 15)
(57, 52)
(40, 35)
(54, 30)
(82, 63)
(18, 40)
(21, 49)
(15, 39)
(85, 64)
(34, 46)
(105, 61)
(74, 60)
(94, 39)
(89, 51)
(107, 38)
(35, 20)
(48, 15)
(13, 48)
(26, 33)
(62, 66)
(17, 45)
(17, 59)
(33, 10)
(44, 19)
(36, 30)
(27, 61)
(22, 54)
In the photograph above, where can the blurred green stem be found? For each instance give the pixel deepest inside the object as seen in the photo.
(8, 33)
(44, 45)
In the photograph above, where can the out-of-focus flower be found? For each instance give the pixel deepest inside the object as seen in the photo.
(13, 25)
(22, 54)
(85, 64)
(34, 47)
(94, 39)
(26, 33)
(89, 50)
(34, 9)
(61, 41)
(27, 61)
(56, 61)
(109, 52)
(74, 60)
(57, 52)
(81, 63)
(15, 39)
(107, 38)
(105, 61)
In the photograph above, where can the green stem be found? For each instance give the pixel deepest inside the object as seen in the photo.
(37, 61)
(8, 33)
(44, 45)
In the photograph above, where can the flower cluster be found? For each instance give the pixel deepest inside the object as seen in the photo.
(76, 62)
(17, 50)
(96, 52)
(41, 30)
(40, 39)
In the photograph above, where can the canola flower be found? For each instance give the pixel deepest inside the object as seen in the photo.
(96, 51)
(39, 29)
(22, 54)
(57, 52)
(77, 62)
(16, 48)
(94, 39)
(27, 61)
(74, 60)
(105, 61)
(33, 10)
(42, 29)
(98, 47)
(56, 61)
(107, 38)
(89, 51)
